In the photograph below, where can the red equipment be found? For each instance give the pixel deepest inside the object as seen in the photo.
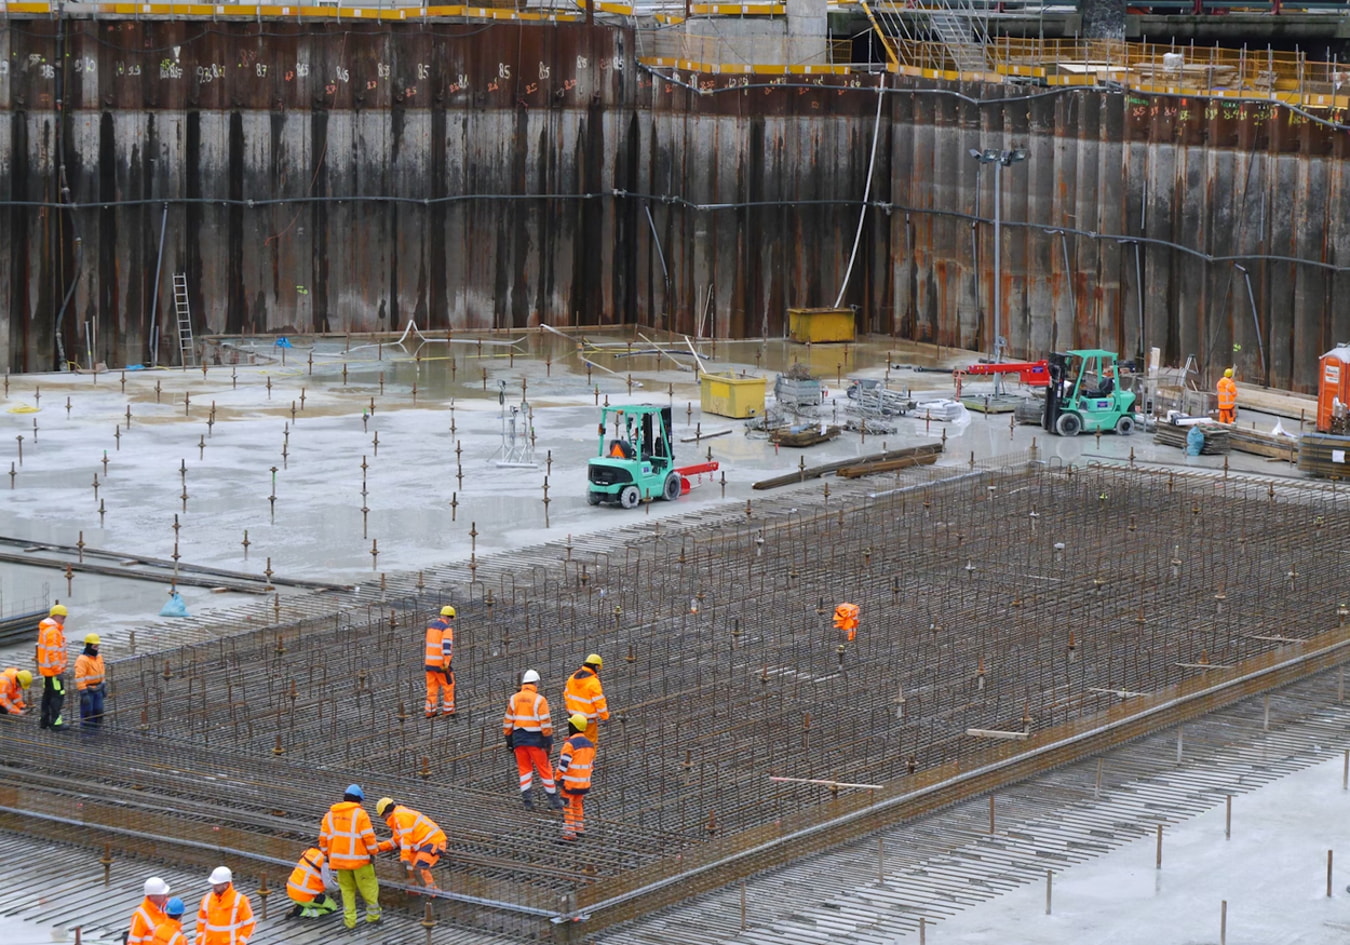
(697, 470)
(1034, 373)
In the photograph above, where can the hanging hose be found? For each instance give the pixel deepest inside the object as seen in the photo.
(867, 191)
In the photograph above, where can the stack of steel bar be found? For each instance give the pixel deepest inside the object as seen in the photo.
(1004, 603)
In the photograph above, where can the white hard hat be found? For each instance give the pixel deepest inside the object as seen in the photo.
(154, 886)
(530, 676)
(221, 874)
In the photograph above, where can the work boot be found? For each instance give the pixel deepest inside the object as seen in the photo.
(555, 802)
(527, 800)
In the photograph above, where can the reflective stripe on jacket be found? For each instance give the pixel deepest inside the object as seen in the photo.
(88, 671)
(11, 693)
(226, 919)
(1227, 393)
(574, 764)
(144, 921)
(527, 717)
(347, 838)
(306, 880)
(169, 933)
(440, 644)
(51, 648)
(584, 694)
(412, 831)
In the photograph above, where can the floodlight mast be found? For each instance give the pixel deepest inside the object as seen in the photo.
(1002, 159)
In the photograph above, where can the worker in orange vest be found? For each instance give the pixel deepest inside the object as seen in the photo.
(52, 663)
(529, 734)
(13, 682)
(1227, 397)
(584, 695)
(170, 931)
(149, 915)
(440, 649)
(226, 915)
(576, 761)
(309, 884)
(90, 683)
(846, 620)
(419, 841)
(348, 840)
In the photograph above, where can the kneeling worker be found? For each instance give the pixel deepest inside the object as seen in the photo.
(13, 682)
(309, 884)
(419, 841)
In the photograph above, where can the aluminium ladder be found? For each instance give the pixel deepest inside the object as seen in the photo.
(186, 349)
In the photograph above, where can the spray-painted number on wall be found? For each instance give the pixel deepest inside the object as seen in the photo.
(342, 74)
(85, 64)
(544, 71)
(261, 69)
(209, 74)
(423, 71)
(382, 70)
(123, 68)
(503, 71)
(4, 67)
(168, 69)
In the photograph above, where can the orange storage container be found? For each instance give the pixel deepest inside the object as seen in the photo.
(1333, 384)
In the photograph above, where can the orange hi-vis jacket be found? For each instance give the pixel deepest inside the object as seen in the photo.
(170, 932)
(527, 717)
(88, 671)
(144, 921)
(51, 648)
(440, 644)
(11, 693)
(347, 838)
(1227, 393)
(575, 762)
(583, 694)
(412, 831)
(226, 919)
(306, 881)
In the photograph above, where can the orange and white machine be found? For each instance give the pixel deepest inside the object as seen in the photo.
(1333, 391)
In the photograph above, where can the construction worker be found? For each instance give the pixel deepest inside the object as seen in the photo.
(149, 915)
(440, 649)
(52, 663)
(529, 734)
(226, 915)
(576, 761)
(309, 884)
(420, 843)
(584, 695)
(90, 683)
(13, 682)
(170, 931)
(1227, 397)
(348, 840)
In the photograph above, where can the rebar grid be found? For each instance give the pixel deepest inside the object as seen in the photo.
(1007, 600)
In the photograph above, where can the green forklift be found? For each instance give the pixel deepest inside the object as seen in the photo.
(635, 461)
(1085, 396)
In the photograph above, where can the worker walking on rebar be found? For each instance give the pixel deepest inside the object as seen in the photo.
(170, 931)
(584, 695)
(576, 762)
(440, 650)
(149, 915)
(419, 841)
(309, 884)
(52, 663)
(348, 840)
(90, 683)
(225, 916)
(13, 682)
(529, 734)
(1227, 397)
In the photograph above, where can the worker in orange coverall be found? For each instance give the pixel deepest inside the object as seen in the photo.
(1227, 397)
(576, 762)
(418, 839)
(440, 650)
(528, 729)
(584, 695)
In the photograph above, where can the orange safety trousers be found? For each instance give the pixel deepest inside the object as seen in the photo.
(1227, 414)
(574, 815)
(530, 758)
(440, 689)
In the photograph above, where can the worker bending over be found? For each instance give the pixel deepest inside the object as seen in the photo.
(226, 915)
(309, 884)
(440, 650)
(1227, 397)
(576, 761)
(13, 682)
(529, 734)
(90, 683)
(348, 840)
(419, 841)
(584, 695)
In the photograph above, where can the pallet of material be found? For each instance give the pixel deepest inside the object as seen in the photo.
(1216, 437)
(809, 437)
(1259, 443)
(1320, 454)
(21, 627)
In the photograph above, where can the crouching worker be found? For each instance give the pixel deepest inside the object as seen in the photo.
(420, 843)
(309, 885)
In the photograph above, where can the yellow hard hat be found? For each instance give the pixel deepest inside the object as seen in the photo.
(579, 722)
(25, 678)
(447, 611)
(595, 660)
(58, 610)
(1227, 372)
(383, 804)
(92, 639)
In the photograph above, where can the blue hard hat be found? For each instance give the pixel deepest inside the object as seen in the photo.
(355, 791)
(174, 907)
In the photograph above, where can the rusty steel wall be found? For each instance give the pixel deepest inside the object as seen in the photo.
(349, 177)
